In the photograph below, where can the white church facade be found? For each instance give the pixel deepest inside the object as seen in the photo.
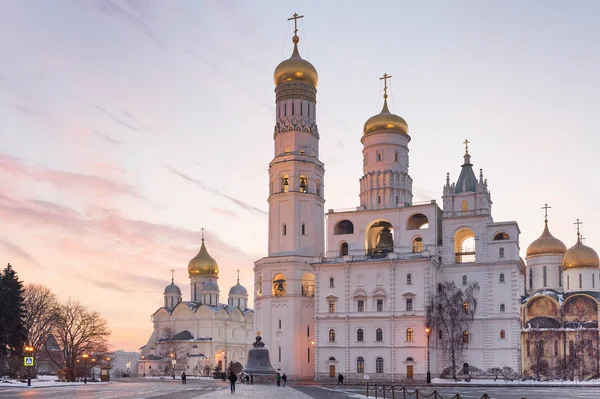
(358, 306)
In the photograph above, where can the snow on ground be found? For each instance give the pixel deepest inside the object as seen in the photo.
(502, 381)
(41, 382)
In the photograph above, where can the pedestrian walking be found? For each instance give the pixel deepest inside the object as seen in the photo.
(183, 378)
(232, 380)
(247, 379)
(251, 379)
(340, 379)
(278, 379)
(284, 379)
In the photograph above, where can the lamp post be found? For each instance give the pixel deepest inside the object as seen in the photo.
(29, 350)
(143, 367)
(85, 356)
(173, 363)
(108, 360)
(93, 368)
(428, 332)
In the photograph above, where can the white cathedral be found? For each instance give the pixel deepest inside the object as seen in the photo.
(358, 306)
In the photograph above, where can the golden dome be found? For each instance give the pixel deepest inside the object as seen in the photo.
(295, 69)
(580, 256)
(385, 120)
(203, 264)
(546, 244)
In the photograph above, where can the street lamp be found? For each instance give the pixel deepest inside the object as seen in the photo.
(29, 350)
(428, 332)
(173, 363)
(143, 367)
(93, 368)
(85, 356)
(108, 360)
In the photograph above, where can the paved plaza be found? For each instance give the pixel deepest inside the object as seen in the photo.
(195, 389)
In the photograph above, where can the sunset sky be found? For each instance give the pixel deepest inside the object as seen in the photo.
(126, 126)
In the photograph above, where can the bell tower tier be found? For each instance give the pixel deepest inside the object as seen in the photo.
(285, 280)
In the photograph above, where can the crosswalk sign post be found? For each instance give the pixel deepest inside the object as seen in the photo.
(28, 362)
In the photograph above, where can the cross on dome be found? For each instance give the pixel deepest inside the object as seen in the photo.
(466, 143)
(172, 276)
(296, 17)
(202, 230)
(578, 223)
(385, 77)
(545, 208)
(238, 273)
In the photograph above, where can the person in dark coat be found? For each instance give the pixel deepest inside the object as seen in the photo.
(183, 378)
(278, 379)
(340, 379)
(284, 379)
(232, 380)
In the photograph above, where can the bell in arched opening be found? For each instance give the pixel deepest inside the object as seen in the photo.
(386, 241)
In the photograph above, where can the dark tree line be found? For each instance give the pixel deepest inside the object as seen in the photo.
(12, 330)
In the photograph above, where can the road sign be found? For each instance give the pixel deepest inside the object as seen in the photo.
(28, 361)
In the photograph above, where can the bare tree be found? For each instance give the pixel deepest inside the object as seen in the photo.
(41, 313)
(78, 331)
(450, 314)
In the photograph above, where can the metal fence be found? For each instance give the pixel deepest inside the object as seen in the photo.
(391, 391)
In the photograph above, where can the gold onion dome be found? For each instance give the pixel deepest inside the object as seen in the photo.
(580, 256)
(295, 69)
(203, 264)
(385, 120)
(546, 244)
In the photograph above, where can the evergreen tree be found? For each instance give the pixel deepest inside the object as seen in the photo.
(12, 330)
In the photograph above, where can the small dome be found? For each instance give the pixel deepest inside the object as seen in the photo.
(580, 256)
(385, 120)
(210, 285)
(203, 264)
(546, 244)
(295, 69)
(238, 289)
(172, 289)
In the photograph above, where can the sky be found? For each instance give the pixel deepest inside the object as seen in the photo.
(127, 126)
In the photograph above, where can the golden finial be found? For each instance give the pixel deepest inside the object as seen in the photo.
(296, 17)
(578, 223)
(385, 77)
(172, 276)
(466, 143)
(545, 208)
(238, 272)
(258, 333)
(202, 229)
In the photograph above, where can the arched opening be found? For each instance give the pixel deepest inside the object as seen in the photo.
(343, 227)
(379, 365)
(379, 335)
(344, 249)
(502, 308)
(501, 236)
(417, 245)
(331, 282)
(360, 365)
(318, 187)
(502, 334)
(409, 279)
(501, 277)
(360, 335)
(332, 335)
(259, 286)
(285, 183)
(380, 238)
(417, 221)
(303, 184)
(464, 246)
(308, 285)
(279, 285)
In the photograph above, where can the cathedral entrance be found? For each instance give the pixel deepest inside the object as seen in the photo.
(332, 370)
(409, 371)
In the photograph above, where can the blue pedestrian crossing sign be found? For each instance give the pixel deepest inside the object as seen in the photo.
(28, 361)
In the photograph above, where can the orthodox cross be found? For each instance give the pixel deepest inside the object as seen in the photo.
(582, 238)
(238, 272)
(578, 223)
(545, 208)
(172, 276)
(202, 229)
(466, 143)
(385, 77)
(296, 17)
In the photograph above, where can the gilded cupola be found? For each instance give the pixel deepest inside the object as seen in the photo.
(546, 244)
(385, 120)
(295, 69)
(580, 256)
(203, 264)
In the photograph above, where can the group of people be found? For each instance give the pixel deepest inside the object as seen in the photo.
(281, 378)
(249, 379)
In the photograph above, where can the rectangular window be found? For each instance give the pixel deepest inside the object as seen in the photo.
(361, 306)
(284, 109)
(409, 305)
(379, 200)
(545, 276)
(593, 281)
(284, 229)
(559, 275)
(528, 348)
(331, 306)
(396, 156)
(380, 305)
(308, 331)
(308, 355)
(292, 108)
(379, 156)
(580, 281)
(280, 354)
(397, 200)
(308, 110)
(303, 229)
(301, 109)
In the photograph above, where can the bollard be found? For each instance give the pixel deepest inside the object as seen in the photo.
(417, 393)
(383, 390)
(403, 392)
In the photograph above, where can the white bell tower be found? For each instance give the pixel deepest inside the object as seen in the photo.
(284, 281)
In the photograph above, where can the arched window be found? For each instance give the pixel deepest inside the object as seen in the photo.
(409, 335)
(379, 335)
(464, 246)
(465, 337)
(501, 236)
(360, 336)
(464, 280)
(344, 249)
(285, 184)
(408, 279)
(545, 276)
(343, 227)
(502, 334)
(303, 229)
(303, 184)
(417, 245)
(279, 285)
(308, 285)
(502, 308)
(280, 324)
(332, 335)
(501, 277)
(379, 365)
(417, 222)
(331, 282)
(360, 365)
(501, 253)
(464, 205)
